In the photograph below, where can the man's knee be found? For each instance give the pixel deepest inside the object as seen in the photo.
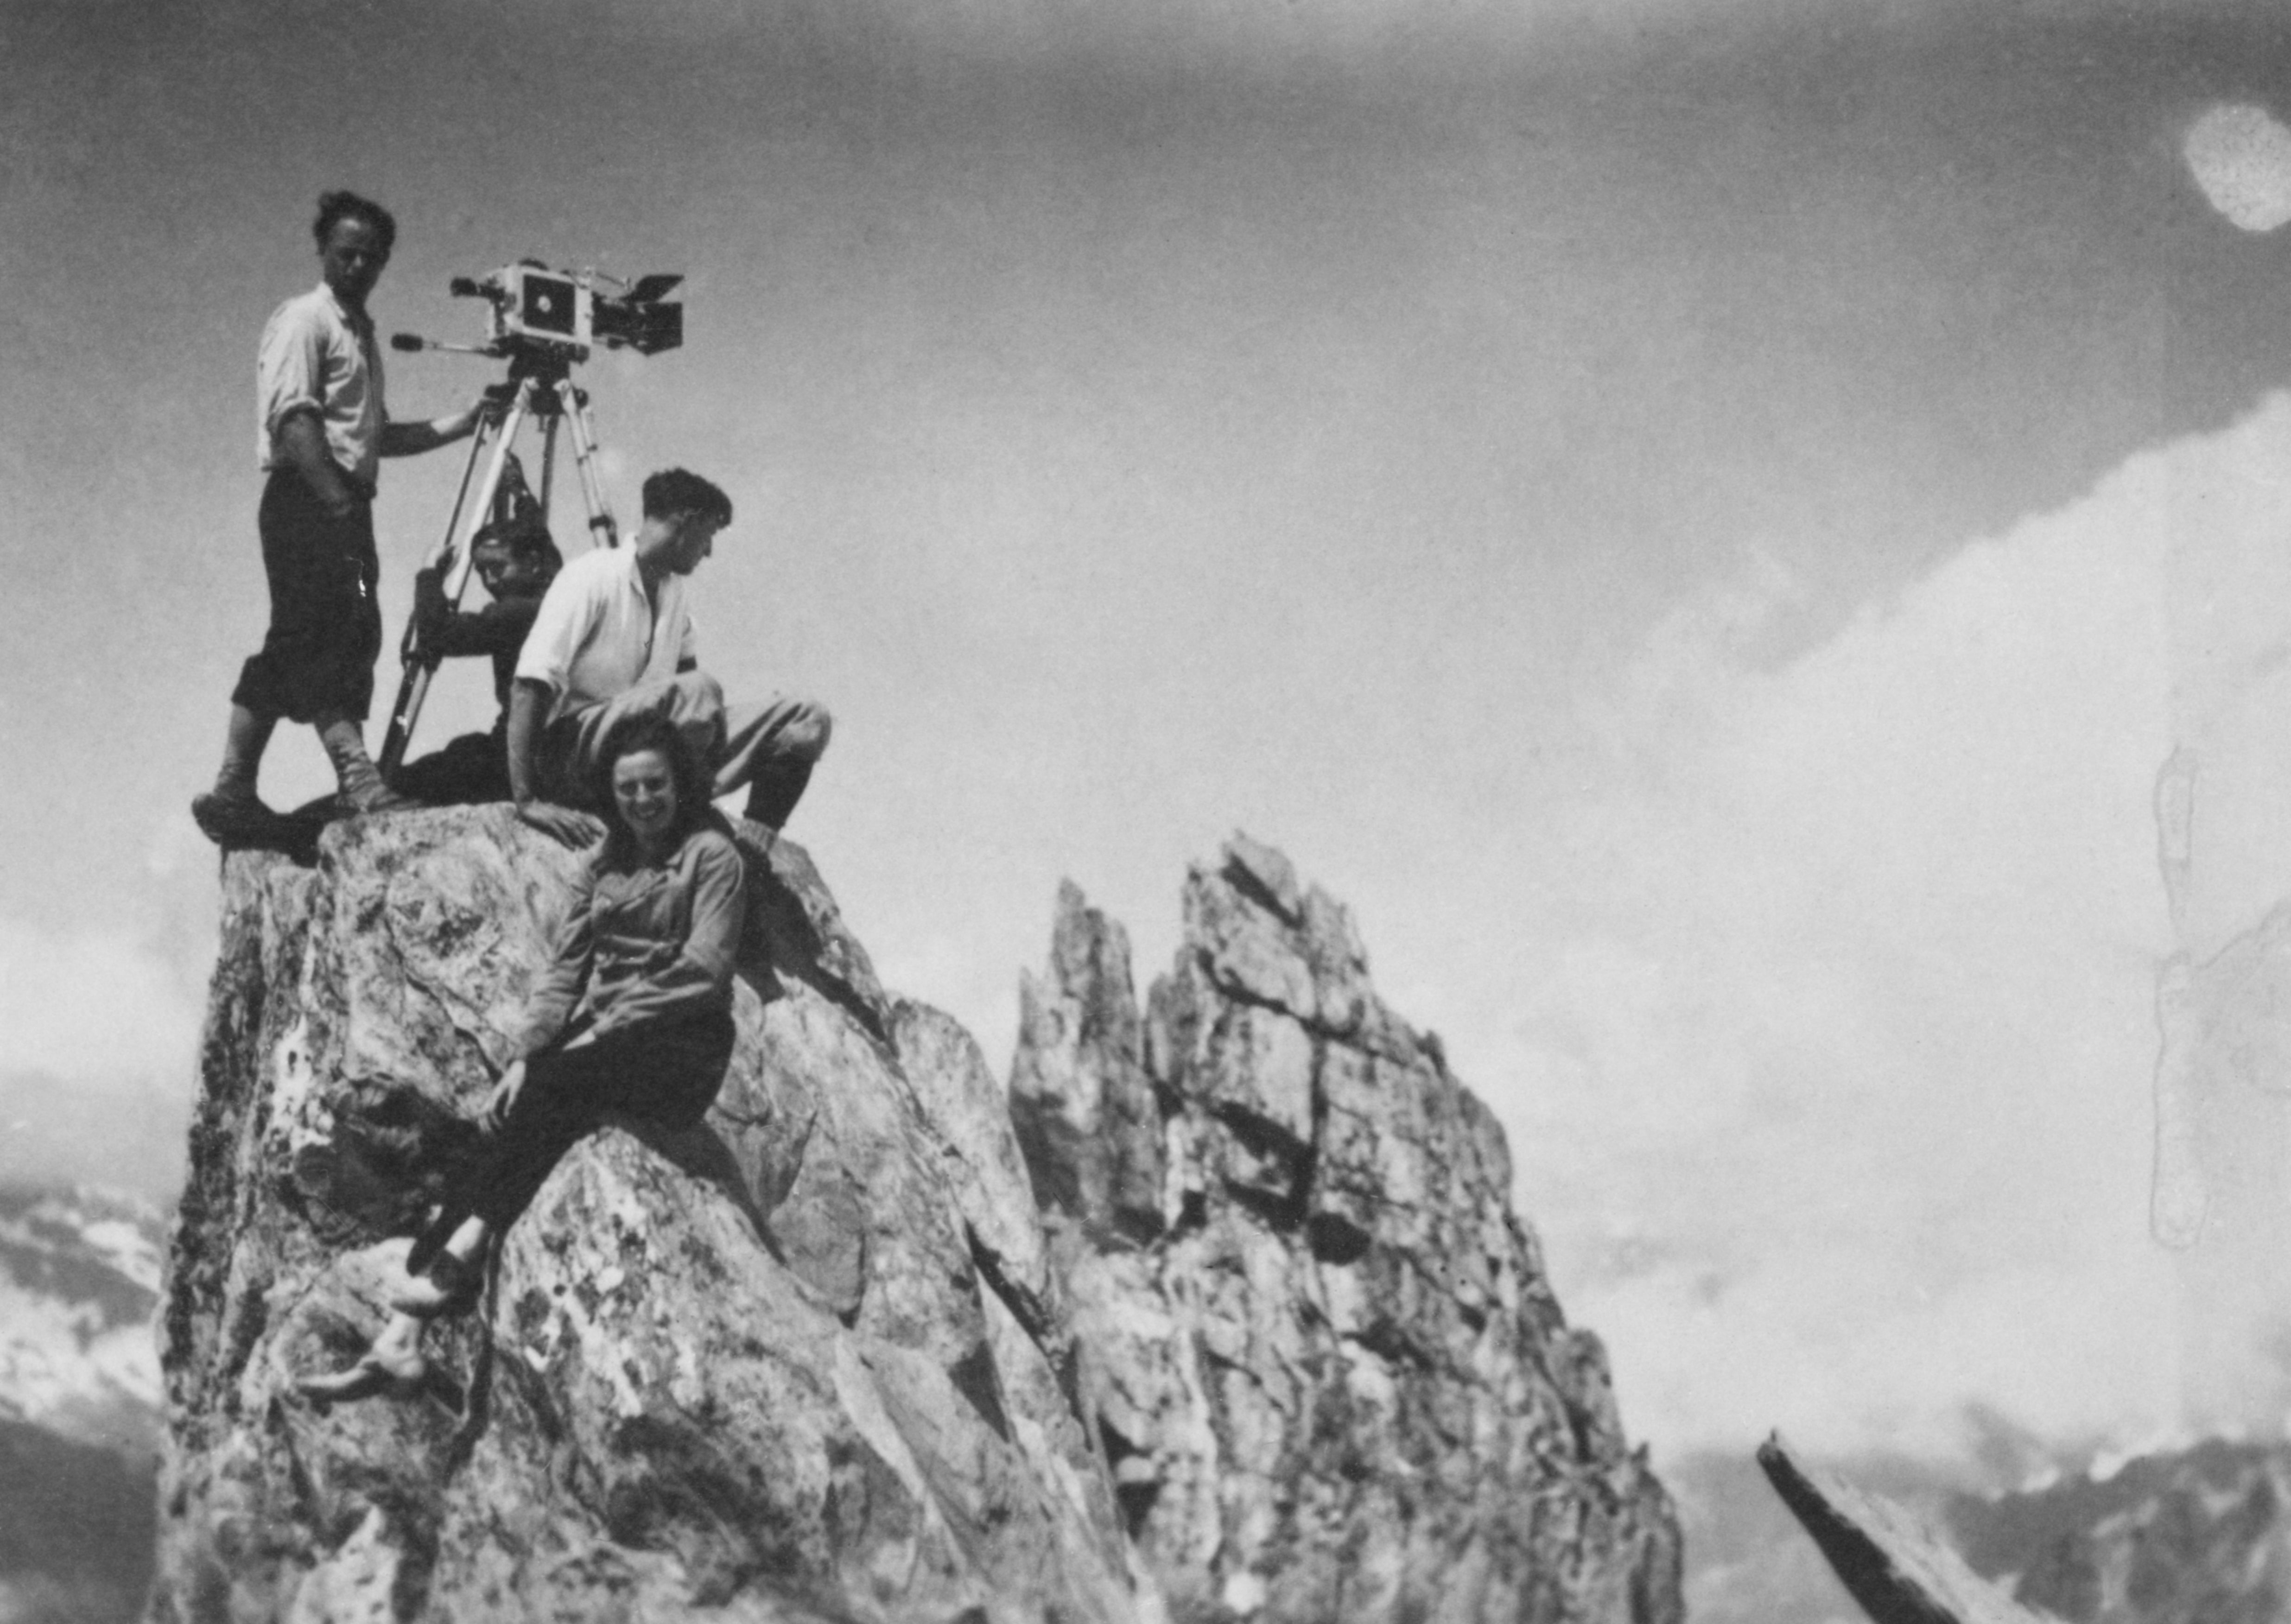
(697, 689)
(808, 731)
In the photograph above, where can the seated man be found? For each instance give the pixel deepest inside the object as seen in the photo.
(517, 560)
(613, 640)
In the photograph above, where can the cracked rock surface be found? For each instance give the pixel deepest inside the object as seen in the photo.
(1271, 1346)
(1328, 1372)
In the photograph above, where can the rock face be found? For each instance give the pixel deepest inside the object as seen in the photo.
(1280, 1350)
(1326, 1367)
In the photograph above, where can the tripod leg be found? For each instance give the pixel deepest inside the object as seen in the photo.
(413, 686)
(575, 412)
(480, 510)
(486, 430)
(548, 460)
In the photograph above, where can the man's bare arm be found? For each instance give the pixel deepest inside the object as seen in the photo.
(411, 438)
(302, 440)
(527, 702)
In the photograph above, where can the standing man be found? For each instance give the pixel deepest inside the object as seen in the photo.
(613, 640)
(322, 432)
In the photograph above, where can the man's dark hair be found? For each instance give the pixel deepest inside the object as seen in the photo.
(525, 535)
(336, 207)
(533, 545)
(677, 490)
(649, 732)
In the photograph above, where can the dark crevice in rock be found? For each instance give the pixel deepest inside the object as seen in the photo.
(1250, 885)
(1137, 1225)
(1336, 1239)
(1284, 1207)
(1193, 1214)
(975, 1377)
(1053, 1170)
(1275, 1211)
(1026, 1306)
(1354, 1035)
(247, 1319)
(1137, 1485)
(477, 1412)
(1392, 1343)
(1235, 990)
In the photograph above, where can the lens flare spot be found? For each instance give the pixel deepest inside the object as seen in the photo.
(2240, 156)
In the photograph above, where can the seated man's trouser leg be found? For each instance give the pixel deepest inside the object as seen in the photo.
(734, 743)
(666, 1071)
(467, 771)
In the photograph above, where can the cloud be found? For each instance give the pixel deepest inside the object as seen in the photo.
(98, 1037)
(1832, 1089)
(90, 1003)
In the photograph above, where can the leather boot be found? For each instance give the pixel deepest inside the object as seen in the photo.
(360, 787)
(773, 790)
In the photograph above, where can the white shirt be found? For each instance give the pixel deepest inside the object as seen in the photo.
(316, 354)
(597, 634)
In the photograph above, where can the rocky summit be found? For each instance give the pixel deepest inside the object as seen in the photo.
(1219, 1313)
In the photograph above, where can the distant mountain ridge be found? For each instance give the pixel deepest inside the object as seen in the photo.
(2196, 1536)
(79, 1285)
(80, 1403)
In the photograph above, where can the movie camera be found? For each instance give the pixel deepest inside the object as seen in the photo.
(561, 311)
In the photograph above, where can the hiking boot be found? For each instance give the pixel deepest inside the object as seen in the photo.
(376, 1372)
(380, 797)
(232, 820)
(773, 790)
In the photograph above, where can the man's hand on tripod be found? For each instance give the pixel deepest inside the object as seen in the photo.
(562, 825)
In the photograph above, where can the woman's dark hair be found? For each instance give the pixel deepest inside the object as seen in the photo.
(334, 206)
(650, 733)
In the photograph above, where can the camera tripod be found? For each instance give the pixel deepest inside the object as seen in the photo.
(540, 387)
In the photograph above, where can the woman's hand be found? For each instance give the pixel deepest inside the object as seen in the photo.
(502, 1100)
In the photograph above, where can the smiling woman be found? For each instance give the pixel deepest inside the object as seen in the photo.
(634, 1014)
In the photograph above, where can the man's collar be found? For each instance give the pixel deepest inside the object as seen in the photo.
(356, 317)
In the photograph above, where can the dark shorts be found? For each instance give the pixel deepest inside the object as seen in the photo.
(325, 626)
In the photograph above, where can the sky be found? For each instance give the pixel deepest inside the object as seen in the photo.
(1674, 513)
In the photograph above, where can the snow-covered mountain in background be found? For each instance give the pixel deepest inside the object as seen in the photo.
(79, 1402)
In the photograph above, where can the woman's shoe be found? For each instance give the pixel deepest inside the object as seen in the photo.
(449, 1285)
(376, 1372)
